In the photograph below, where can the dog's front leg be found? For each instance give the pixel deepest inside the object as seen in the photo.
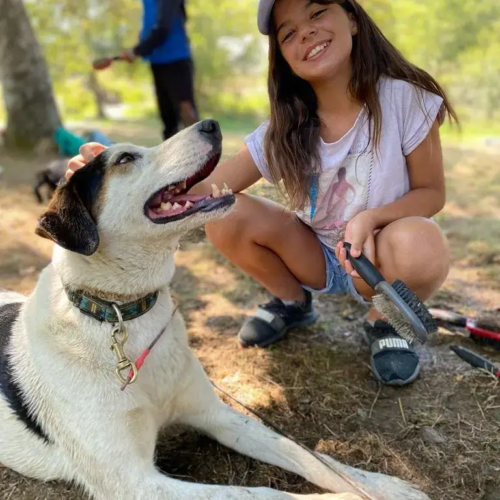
(113, 459)
(251, 438)
(155, 486)
(204, 411)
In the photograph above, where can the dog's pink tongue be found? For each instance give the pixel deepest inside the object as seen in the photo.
(156, 200)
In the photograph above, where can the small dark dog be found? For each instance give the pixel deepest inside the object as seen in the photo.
(50, 177)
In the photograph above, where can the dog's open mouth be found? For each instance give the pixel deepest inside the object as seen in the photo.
(173, 202)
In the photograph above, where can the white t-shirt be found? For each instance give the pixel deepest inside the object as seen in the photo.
(354, 176)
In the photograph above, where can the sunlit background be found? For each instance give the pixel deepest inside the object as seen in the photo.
(457, 41)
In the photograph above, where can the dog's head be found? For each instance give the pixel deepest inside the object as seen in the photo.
(132, 196)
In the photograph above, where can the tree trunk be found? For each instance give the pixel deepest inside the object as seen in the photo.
(32, 113)
(98, 93)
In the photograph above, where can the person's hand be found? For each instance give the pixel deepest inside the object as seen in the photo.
(87, 152)
(360, 233)
(129, 55)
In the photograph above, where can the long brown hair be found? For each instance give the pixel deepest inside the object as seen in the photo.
(292, 138)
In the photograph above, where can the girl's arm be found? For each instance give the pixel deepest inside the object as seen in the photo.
(238, 172)
(427, 195)
(425, 199)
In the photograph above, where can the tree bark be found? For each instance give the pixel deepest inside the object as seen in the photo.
(32, 113)
(98, 93)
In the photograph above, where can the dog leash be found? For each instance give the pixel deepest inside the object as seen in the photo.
(134, 370)
(137, 365)
(360, 489)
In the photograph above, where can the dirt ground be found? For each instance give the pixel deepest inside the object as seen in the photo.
(316, 384)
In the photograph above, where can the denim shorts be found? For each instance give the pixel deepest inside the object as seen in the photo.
(337, 280)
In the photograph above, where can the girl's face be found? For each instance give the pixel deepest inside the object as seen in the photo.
(315, 39)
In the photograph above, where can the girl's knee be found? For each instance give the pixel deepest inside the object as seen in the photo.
(417, 236)
(252, 220)
(416, 246)
(233, 228)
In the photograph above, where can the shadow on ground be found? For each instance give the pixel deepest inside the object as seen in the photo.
(442, 433)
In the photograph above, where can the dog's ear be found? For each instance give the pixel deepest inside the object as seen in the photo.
(68, 223)
(68, 220)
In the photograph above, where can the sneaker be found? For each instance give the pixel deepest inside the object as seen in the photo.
(393, 359)
(272, 320)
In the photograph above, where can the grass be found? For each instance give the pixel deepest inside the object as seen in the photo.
(316, 384)
(469, 133)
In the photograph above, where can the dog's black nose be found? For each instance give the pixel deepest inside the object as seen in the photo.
(210, 127)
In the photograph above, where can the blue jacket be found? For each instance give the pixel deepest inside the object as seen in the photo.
(163, 36)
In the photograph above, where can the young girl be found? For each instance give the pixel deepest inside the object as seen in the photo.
(353, 139)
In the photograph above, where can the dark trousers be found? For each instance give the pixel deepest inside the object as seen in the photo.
(174, 85)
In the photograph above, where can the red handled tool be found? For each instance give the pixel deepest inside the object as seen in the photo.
(105, 62)
(485, 329)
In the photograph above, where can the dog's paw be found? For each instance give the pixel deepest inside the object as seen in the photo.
(390, 488)
(382, 486)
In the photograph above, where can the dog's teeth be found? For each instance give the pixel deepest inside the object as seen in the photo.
(226, 190)
(215, 191)
(183, 185)
(176, 206)
(189, 204)
(166, 206)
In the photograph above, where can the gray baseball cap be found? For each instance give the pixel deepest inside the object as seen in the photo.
(264, 15)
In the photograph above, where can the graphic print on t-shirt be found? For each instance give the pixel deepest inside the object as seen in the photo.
(337, 196)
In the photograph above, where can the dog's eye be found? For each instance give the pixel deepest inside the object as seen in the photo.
(124, 158)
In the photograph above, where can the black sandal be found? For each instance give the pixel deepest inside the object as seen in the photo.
(272, 320)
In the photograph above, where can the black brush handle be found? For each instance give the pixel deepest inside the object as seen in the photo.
(476, 360)
(364, 267)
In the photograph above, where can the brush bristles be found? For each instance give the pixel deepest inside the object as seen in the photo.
(489, 320)
(416, 305)
(386, 307)
(402, 326)
(486, 342)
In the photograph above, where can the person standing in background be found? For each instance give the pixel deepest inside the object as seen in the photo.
(165, 44)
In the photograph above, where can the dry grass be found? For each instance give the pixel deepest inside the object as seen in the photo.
(316, 385)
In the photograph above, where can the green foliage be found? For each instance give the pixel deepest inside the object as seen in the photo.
(226, 48)
(73, 98)
(458, 41)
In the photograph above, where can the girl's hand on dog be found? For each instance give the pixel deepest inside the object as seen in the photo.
(87, 152)
(360, 233)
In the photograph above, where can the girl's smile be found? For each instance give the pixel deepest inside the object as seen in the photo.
(317, 50)
(314, 38)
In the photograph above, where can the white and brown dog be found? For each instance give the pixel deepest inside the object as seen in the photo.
(116, 224)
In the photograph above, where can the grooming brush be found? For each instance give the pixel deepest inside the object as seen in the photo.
(105, 62)
(484, 330)
(476, 360)
(402, 308)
